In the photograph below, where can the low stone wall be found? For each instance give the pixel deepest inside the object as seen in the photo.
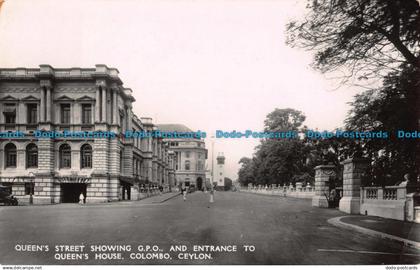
(283, 191)
(388, 202)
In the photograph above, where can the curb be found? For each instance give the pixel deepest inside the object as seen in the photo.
(337, 222)
(167, 199)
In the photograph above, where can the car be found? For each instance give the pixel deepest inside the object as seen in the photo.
(191, 189)
(6, 196)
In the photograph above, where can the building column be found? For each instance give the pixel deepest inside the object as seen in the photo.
(42, 105)
(323, 173)
(129, 118)
(114, 107)
(354, 168)
(104, 120)
(98, 105)
(49, 104)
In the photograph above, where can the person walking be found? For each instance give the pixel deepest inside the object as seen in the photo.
(81, 198)
(211, 192)
(184, 192)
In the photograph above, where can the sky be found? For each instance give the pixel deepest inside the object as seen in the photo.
(210, 65)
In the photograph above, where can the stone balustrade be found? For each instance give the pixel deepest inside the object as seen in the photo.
(306, 192)
(389, 202)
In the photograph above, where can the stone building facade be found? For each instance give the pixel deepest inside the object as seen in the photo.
(90, 104)
(190, 156)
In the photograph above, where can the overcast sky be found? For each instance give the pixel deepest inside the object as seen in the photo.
(206, 64)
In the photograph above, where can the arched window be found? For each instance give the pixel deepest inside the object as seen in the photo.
(10, 155)
(86, 156)
(31, 156)
(65, 156)
(187, 165)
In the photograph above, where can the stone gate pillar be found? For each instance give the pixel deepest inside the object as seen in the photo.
(322, 177)
(352, 176)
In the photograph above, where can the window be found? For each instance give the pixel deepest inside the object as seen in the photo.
(65, 113)
(9, 113)
(86, 114)
(29, 188)
(31, 156)
(65, 156)
(32, 113)
(187, 154)
(86, 156)
(187, 165)
(199, 165)
(10, 155)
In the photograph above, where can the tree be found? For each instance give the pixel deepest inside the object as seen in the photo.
(228, 183)
(387, 109)
(246, 173)
(278, 161)
(284, 120)
(368, 37)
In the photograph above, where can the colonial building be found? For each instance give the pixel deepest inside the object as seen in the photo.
(190, 156)
(91, 106)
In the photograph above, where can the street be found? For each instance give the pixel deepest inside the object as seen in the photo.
(283, 231)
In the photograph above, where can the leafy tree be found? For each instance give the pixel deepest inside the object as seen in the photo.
(277, 161)
(368, 37)
(228, 183)
(387, 109)
(365, 39)
(284, 120)
(246, 172)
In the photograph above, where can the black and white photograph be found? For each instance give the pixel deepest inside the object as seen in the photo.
(222, 133)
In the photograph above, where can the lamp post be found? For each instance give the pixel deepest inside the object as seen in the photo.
(212, 172)
(212, 161)
(31, 191)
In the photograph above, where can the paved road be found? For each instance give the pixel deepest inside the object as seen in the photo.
(283, 231)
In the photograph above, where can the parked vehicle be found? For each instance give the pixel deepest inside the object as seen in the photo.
(6, 196)
(191, 189)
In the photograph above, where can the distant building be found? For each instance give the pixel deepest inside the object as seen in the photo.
(190, 156)
(219, 171)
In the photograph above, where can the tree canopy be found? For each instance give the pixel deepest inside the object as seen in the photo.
(367, 37)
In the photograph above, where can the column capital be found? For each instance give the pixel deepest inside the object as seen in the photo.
(101, 83)
(45, 83)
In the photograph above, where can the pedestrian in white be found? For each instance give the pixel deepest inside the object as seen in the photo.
(81, 198)
(184, 192)
(211, 200)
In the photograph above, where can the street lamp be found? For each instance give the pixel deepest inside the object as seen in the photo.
(212, 171)
(31, 191)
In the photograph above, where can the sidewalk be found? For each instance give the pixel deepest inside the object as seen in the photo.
(401, 231)
(159, 198)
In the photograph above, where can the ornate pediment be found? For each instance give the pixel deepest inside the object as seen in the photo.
(9, 98)
(64, 98)
(30, 98)
(85, 98)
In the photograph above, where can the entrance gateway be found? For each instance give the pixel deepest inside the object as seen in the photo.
(71, 187)
(70, 193)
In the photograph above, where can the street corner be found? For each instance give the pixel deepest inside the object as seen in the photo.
(406, 233)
